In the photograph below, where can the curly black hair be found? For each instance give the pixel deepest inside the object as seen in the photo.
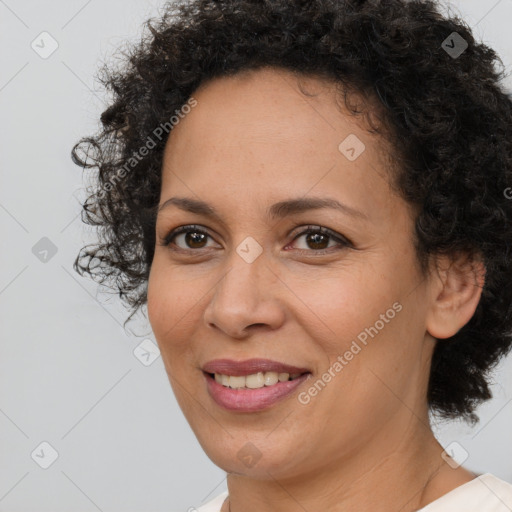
(449, 121)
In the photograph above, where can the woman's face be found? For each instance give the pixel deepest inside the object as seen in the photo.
(257, 286)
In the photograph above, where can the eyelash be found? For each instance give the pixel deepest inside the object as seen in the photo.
(343, 242)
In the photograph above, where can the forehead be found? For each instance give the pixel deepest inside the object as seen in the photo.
(259, 131)
(264, 105)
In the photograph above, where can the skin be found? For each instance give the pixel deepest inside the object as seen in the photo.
(364, 441)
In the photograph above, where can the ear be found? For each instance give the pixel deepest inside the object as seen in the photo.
(455, 290)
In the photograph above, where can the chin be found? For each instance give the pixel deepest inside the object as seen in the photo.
(244, 457)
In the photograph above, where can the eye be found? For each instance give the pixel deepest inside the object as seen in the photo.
(317, 240)
(193, 237)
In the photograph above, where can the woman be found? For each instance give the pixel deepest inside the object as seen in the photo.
(310, 199)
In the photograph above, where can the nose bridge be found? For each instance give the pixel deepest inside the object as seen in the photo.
(245, 267)
(242, 296)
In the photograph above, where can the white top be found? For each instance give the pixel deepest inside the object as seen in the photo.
(486, 493)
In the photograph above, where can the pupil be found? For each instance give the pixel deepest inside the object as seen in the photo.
(192, 237)
(314, 238)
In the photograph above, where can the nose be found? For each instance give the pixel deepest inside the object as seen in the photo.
(245, 298)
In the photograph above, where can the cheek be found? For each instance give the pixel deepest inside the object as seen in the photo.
(361, 323)
(164, 307)
(174, 307)
(158, 300)
(167, 297)
(377, 362)
(341, 303)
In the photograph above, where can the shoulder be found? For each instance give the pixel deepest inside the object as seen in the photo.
(486, 493)
(213, 505)
(497, 490)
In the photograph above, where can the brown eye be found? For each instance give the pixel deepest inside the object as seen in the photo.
(194, 239)
(317, 239)
(191, 237)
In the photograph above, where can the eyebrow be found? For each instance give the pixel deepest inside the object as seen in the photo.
(278, 210)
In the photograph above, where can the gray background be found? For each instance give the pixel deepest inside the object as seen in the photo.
(69, 373)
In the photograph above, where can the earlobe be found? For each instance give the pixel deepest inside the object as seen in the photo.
(456, 288)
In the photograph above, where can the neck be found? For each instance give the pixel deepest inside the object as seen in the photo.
(403, 475)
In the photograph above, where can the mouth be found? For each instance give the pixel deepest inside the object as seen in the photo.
(252, 385)
(248, 367)
(254, 380)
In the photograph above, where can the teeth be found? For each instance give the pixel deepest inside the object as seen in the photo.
(236, 382)
(254, 381)
(271, 378)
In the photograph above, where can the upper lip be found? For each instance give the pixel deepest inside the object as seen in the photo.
(249, 367)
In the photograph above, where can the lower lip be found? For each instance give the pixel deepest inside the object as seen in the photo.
(251, 400)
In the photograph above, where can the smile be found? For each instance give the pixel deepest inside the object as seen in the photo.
(255, 380)
(246, 399)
